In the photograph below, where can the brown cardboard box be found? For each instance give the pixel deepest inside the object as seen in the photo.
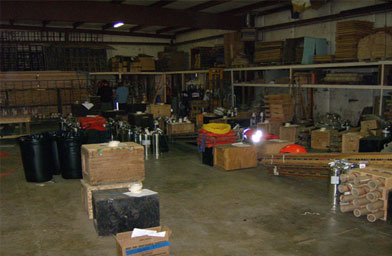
(143, 245)
(103, 164)
(135, 67)
(350, 142)
(289, 133)
(228, 157)
(159, 110)
(323, 140)
(86, 193)
(271, 147)
(180, 128)
(271, 127)
(370, 124)
(147, 63)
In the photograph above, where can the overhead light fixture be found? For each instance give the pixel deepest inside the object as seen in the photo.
(118, 24)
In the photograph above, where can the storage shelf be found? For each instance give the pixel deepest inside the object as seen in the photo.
(334, 86)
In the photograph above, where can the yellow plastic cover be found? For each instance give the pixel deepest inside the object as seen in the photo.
(217, 128)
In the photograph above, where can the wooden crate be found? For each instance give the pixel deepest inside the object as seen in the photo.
(381, 173)
(228, 157)
(290, 133)
(86, 193)
(323, 140)
(270, 127)
(147, 63)
(271, 147)
(350, 142)
(180, 128)
(159, 110)
(103, 164)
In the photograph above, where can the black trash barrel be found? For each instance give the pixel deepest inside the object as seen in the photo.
(69, 146)
(35, 151)
(53, 159)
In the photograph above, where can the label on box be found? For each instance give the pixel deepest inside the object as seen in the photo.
(361, 166)
(147, 248)
(335, 180)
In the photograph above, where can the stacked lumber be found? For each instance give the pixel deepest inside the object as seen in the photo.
(279, 108)
(267, 52)
(375, 46)
(348, 34)
(354, 78)
(315, 165)
(366, 192)
(326, 58)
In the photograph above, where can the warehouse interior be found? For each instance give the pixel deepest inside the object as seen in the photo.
(196, 127)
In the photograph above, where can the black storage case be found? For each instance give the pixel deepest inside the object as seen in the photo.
(373, 143)
(141, 120)
(115, 212)
(208, 156)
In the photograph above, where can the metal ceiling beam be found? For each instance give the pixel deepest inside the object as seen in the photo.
(106, 12)
(107, 25)
(90, 43)
(45, 23)
(251, 7)
(274, 10)
(115, 33)
(380, 8)
(77, 24)
(195, 8)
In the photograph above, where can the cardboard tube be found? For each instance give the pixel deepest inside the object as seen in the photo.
(346, 198)
(360, 191)
(344, 188)
(348, 208)
(348, 177)
(373, 196)
(375, 206)
(360, 201)
(362, 180)
(360, 212)
(374, 184)
(372, 217)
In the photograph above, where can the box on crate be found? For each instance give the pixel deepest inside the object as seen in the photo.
(230, 157)
(143, 245)
(350, 142)
(102, 164)
(119, 210)
(370, 128)
(159, 110)
(290, 133)
(87, 196)
(180, 128)
(324, 140)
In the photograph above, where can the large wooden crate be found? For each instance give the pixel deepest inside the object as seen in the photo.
(324, 140)
(87, 195)
(228, 157)
(159, 110)
(102, 164)
(290, 133)
(270, 127)
(180, 128)
(350, 142)
(271, 147)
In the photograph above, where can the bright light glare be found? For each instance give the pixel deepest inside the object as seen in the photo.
(118, 24)
(257, 136)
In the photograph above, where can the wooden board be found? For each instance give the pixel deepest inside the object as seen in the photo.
(180, 128)
(103, 165)
(228, 157)
(86, 193)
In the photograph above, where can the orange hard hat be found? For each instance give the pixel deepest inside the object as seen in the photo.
(293, 148)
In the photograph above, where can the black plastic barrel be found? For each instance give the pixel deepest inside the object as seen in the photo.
(53, 159)
(35, 153)
(69, 148)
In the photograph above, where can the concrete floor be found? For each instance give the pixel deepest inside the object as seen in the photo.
(246, 212)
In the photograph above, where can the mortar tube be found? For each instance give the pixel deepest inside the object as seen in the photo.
(360, 201)
(372, 217)
(373, 196)
(348, 208)
(375, 206)
(346, 198)
(360, 212)
(374, 184)
(360, 191)
(362, 180)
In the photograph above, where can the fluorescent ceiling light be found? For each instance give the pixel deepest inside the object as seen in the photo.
(118, 24)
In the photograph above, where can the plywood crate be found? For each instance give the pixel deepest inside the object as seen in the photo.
(86, 193)
(290, 133)
(147, 63)
(180, 128)
(271, 147)
(102, 164)
(350, 142)
(228, 157)
(159, 110)
(323, 140)
(270, 127)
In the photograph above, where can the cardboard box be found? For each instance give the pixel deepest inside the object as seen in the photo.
(370, 124)
(289, 133)
(135, 67)
(323, 140)
(143, 245)
(271, 127)
(350, 142)
(87, 196)
(159, 110)
(180, 128)
(228, 157)
(271, 147)
(147, 63)
(371, 132)
(102, 164)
